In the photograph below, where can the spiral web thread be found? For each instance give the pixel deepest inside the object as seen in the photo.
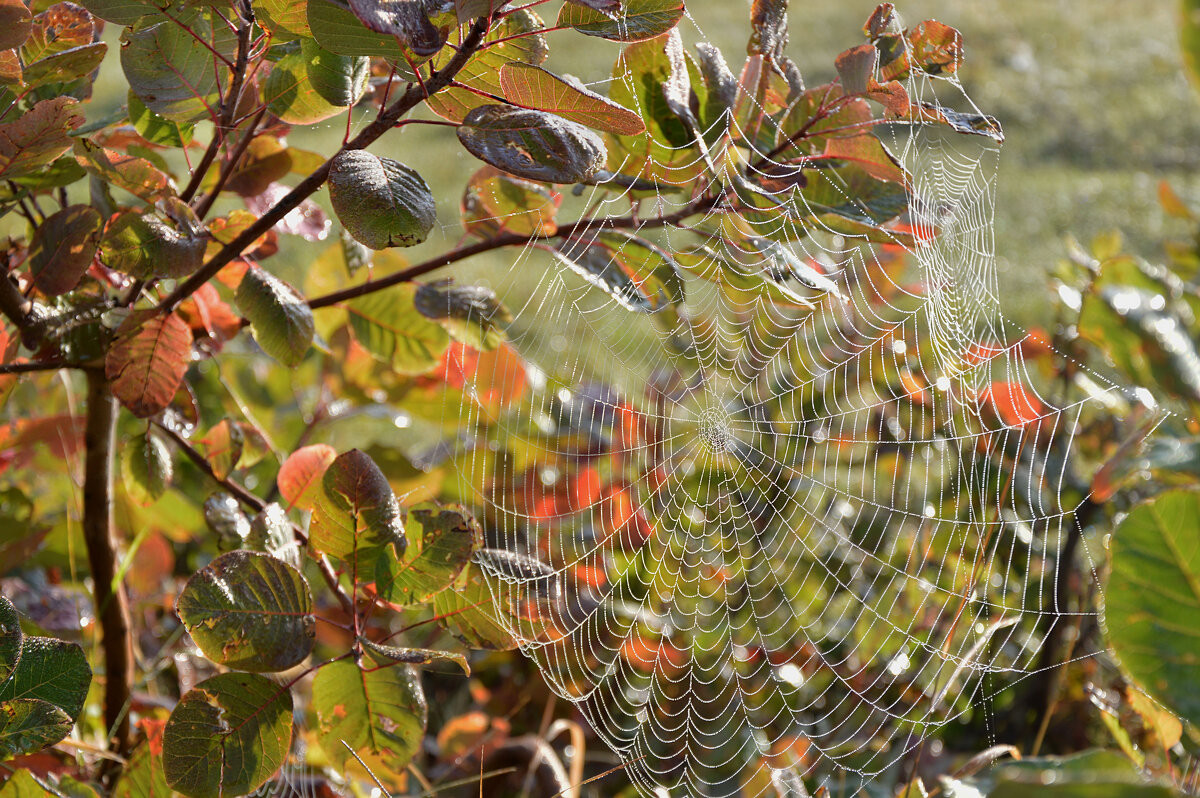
(794, 568)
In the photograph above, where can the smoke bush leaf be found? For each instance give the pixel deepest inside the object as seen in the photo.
(495, 200)
(407, 20)
(147, 360)
(285, 19)
(467, 611)
(1153, 598)
(299, 478)
(533, 87)
(337, 29)
(173, 75)
(532, 144)
(415, 656)
(378, 709)
(249, 611)
(381, 203)
(63, 247)
(29, 724)
(50, 670)
(147, 245)
(155, 128)
(280, 319)
(223, 447)
(16, 22)
(389, 326)
(38, 137)
(62, 68)
(470, 313)
(227, 736)
(136, 175)
(146, 468)
(10, 638)
(637, 20)
(356, 509)
(441, 541)
(340, 79)
(290, 94)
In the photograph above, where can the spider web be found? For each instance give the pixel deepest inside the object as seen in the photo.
(796, 523)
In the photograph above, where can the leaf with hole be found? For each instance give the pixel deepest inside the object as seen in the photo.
(636, 21)
(1153, 598)
(63, 247)
(381, 203)
(249, 611)
(534, 145)
(227, 736)
(389, 326)
(146, 468)
(441, 542)
(356, 510)
(376, 708)
(280, 319)
(147, 360)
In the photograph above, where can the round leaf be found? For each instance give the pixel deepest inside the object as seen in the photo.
(16, 21)
(50, 670)
(227, 736)
(1153, 599)
(147, 245)
(169, 72)
(281, 320)
(532, 144)
(356, 510)
(249, 611)
(146, 468)
(341, 80)
(29, 724)
(289, 93)
(381, 203)
(10, 638)
(379, 712)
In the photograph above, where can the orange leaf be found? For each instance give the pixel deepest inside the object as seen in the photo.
(299, 478)
(148, 359)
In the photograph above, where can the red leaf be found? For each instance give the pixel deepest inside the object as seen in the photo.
(299, 478)
(147, 360)
(1013, 403)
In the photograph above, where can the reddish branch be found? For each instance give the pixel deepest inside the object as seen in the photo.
(112, 608)
(307, 187)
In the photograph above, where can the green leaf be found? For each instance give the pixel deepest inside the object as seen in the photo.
(381, 203)
(148, 245)
(50, 670)
(1090, 774)
(389, 326)
(170, 72)
(121, 12)
(467, 611)
(38, 137)
(634, 272)
(638, 20)
(155, 128)
(30, 724)
(16, 22)
(337, 29)
(377, 709)
(135, 175)
(280, 319)
(1153, 599)
(531, 86)
(10, 638)
(415, 656)
(224, 516)
(441, 542)
(495, 201)
(146, 468)
(340, 79)
(285, 19)
(534, 145)
(470, 313)
(289, 94)
(147, 360)
(249, 611)
(227, 736)
(63, 247)
(142, 776)
(356, 510)
(64, 67)
(852, 193)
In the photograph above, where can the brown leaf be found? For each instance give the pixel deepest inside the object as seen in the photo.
(768, 18)
(147, 360)
(38, 137)
(63, 247)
